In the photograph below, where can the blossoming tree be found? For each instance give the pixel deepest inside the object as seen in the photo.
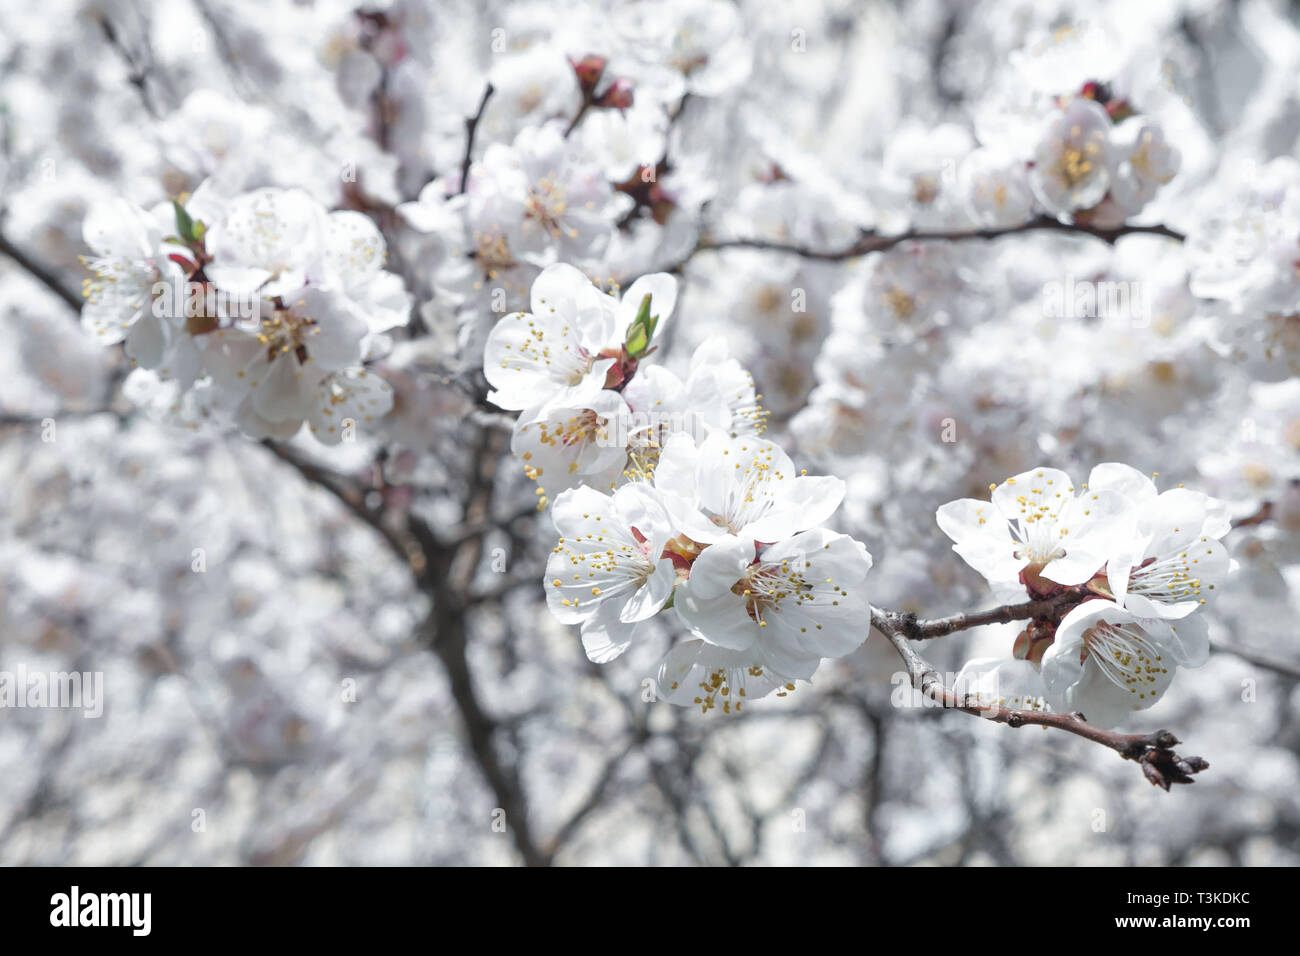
(684, 334)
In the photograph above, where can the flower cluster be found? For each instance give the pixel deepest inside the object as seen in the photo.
(668, 497)
(1085, 155)
(1246, 261)
(1099, 161)
(730, 537)
(263, 307)
(593, 411)
(1124, 567)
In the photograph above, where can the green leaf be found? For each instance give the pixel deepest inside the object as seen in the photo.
(184, 224)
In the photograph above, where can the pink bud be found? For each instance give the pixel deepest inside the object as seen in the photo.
(618, 96)
(589, 71)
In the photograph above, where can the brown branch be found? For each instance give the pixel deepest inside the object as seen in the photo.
(1153, 752)
(1289, 671)
(870, 242)
(1262, 514)
(447, 580)
(444, 572)
(137, 71)
(577, 118)
(596, 795)
(41, 273)
(916, 629)
(471, 125)
(484, 524)
(354, 499)
(17, 420)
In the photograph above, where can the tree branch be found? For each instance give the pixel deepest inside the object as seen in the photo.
(1288, 671)
(444, 572)
(872, 242)
(595, 797)
(471, 125)
(1153, 752)
(354, 499)
(921, 630)
(42, 274)
(138, 72)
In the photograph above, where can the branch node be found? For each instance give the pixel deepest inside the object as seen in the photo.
(911, 628)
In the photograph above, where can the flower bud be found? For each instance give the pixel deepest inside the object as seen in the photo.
(1033, 641)
(589, 71)
(618, 96)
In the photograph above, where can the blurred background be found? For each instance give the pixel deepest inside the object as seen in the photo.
(323, 656)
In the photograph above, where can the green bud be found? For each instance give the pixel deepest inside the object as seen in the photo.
(636, 341)
(642, 329)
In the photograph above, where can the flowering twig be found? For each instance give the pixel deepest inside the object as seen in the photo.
(1153, 752)
(918, 629)
(870, 242)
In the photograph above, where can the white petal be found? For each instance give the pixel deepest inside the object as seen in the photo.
(719, 567)
(651, 596)
(722, 620)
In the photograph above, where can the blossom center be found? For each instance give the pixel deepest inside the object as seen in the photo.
(766, 586)
(1168, 579)
(283, 332)
(126, 283)
(492, 253)
(1125, 654)
(546, 204)
(575, 432)
(1074, 166)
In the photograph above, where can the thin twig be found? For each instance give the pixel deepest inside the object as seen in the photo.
(138, 74)
(1289, 671)
(41, 273)
(872, 242)
(471, 125)
(577, 118)
(920, 630)
(595, 797)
